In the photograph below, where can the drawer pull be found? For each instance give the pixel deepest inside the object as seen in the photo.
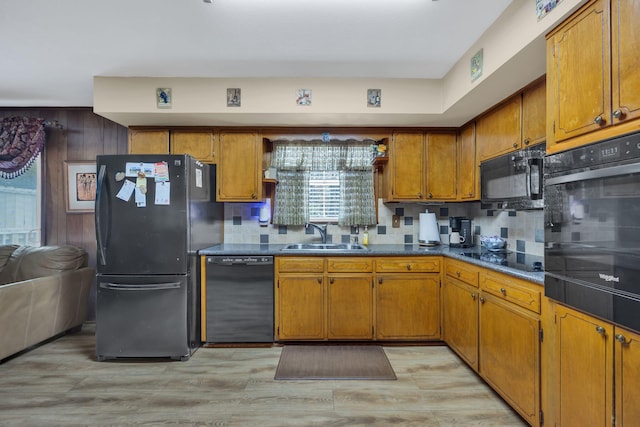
(408, 266)
(503, 291)
(600, 330)
(458, 273)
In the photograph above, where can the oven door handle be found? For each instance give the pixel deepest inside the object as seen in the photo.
(594, 174)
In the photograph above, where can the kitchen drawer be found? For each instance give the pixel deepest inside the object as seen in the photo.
(419, 264)
(350, 264)
(463, 271)
(300, 264)
(519, 292)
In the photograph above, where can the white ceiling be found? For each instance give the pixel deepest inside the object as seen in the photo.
(50, 50)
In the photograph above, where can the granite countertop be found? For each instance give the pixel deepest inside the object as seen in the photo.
(474, 255)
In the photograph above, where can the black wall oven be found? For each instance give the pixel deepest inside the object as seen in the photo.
(592, 229)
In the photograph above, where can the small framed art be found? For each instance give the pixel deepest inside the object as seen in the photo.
(163, 97)
(234, 95)
(374, 98)
(80, 185)
(303, 97)
(476, 65)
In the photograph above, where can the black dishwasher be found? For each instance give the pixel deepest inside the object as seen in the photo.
(239, 296)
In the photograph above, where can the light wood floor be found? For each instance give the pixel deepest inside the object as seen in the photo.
(61, 383)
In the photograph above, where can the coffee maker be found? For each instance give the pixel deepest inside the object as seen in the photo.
(460, 236)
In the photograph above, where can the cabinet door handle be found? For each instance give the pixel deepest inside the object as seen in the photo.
(482, 300)
(380, 280)
(619, 114)
(621, 339)
(515, 145)
(319, 280)
(430, 195)
(473, 296)
(503, 291)
(254, 196)
(600, 330)
(420, 195)
(599, 120)
(331, 280)
(527, 141)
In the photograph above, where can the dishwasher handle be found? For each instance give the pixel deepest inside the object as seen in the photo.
(240, 260)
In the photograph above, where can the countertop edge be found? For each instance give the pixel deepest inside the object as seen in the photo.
(374, 250)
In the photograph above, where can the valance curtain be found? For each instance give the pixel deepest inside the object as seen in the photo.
(295, 159)
(21, 140)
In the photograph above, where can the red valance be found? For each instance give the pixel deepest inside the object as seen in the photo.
(21, 140)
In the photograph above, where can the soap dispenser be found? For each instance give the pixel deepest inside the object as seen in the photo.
(365, 236)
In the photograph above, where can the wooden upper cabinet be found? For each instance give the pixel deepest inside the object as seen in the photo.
(422, 166)
(498, 132)
(407, 166)
(578, 73)
(198, 144)
(441, 166)
(534, 114)
(468, 171)
(625, 44)
(239, 172)
(148, 141)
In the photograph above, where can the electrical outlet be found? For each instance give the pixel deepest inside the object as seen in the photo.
(395, 221)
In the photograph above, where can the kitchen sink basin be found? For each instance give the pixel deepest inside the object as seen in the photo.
(325, 247)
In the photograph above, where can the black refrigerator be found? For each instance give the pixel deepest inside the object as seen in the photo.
(152, 214)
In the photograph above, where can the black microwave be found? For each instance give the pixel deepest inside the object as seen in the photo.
(514, 180)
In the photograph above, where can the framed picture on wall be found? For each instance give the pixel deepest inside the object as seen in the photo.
(80, 185)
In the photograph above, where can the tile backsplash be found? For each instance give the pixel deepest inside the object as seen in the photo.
(523, 230)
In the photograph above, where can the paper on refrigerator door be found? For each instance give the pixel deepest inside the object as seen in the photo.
(141, 198)
(126, 190)
(163, 193)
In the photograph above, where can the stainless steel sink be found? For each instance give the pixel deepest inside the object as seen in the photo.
(324, 247)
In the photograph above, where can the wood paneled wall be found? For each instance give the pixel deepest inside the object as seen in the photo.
(84, 136)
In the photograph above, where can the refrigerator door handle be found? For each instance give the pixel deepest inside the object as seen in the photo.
(144, 287)
(100, 241)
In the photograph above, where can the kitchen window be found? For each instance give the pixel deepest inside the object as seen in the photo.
(324, 196)
(21, 206)
(323, 182)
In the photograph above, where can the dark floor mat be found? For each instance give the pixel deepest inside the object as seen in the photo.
(334, 362)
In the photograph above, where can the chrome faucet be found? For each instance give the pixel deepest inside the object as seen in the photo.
(321, 228)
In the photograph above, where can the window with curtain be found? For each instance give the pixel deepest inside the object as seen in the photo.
(324, 181)
(21, 142)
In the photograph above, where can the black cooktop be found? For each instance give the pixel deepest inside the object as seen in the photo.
(517, 260)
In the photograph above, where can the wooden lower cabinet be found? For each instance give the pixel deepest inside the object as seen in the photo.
(300, 307)
(627, 377)
(594, 367)
(407, 306)
(320, 299)
(510, 354)
(343, 298)
(460, 319)
(349, 307)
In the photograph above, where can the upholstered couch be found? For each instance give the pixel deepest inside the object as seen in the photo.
(44, 291)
